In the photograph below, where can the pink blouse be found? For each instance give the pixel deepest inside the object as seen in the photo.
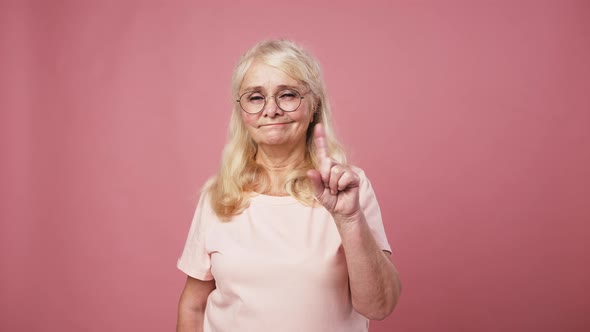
(278, 266)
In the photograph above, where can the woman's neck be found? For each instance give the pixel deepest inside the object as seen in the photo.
(278, 161)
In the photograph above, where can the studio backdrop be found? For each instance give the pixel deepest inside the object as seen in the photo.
(471, 118)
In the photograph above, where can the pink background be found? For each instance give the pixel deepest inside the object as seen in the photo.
(472, 119)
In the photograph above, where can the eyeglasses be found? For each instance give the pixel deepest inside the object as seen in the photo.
(253, 102)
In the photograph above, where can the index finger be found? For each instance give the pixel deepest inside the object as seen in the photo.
(321, 146)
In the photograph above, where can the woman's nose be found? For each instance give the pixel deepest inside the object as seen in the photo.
(271, 108)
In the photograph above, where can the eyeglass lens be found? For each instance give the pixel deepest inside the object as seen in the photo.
(287, 100)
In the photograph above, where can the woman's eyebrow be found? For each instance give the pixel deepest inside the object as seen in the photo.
(277, 88)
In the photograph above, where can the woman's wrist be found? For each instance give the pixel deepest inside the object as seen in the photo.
(347, 221)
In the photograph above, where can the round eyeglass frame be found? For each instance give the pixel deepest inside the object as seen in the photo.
(301, 96)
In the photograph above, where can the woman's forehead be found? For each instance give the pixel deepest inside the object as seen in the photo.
(261, 76)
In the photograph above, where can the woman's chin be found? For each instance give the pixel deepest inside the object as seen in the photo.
(276, 140)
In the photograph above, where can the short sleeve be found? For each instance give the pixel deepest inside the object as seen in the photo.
(195, 260)
(371, 210)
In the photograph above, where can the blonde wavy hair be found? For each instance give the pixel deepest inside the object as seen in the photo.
(240, 176)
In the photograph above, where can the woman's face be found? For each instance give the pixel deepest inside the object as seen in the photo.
(273, 126)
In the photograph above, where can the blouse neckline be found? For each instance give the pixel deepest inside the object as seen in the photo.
(273, 200)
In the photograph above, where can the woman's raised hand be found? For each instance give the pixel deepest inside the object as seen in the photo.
(336, 186)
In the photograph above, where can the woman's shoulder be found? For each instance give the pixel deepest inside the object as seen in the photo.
(204, 194)
(208, 184)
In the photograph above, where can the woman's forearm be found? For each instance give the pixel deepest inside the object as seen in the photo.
(189, 320)
(374, 280)
(192, 304)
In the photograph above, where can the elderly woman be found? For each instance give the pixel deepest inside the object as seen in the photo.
(287, 236)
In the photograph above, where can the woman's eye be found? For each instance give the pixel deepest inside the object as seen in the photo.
(255, 98)
(287, 95)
